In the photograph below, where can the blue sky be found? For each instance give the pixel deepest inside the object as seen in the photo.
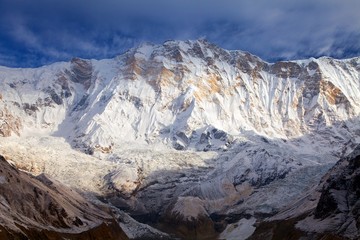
(38, 32)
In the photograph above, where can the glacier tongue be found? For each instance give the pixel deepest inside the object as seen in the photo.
(248, 129)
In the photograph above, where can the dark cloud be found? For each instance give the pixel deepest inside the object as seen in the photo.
(38, 32)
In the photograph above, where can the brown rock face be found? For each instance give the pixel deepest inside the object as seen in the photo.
(198, 228)
(286, 69)
(8, 123)
(39, 208)
(81, 71)
(109, 230)
(333, 94)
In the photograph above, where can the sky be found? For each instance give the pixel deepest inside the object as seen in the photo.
(39, 32)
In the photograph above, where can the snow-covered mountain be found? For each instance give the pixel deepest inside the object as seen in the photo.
(178, 93)
(186, 130)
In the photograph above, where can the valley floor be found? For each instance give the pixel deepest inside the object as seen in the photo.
(136, 179)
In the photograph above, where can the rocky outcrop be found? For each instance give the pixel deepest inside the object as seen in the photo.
(81, 72)
(109, 230)
(339, 203)
(40, 208)
(335, 214)
(9, 124)
(197, 228)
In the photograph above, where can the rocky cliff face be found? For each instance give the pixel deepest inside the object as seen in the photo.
(39, 208)
(329, 212)
(338, 208)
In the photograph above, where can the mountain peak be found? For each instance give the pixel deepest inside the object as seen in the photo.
(156, 92)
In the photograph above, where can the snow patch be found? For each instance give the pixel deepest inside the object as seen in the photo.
(240, 230)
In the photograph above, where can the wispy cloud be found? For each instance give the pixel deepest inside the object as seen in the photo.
(42, 31)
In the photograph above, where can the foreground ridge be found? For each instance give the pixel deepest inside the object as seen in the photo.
(40, 208)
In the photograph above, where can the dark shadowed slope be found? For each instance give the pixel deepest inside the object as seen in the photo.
(332, 211)
(39, 208)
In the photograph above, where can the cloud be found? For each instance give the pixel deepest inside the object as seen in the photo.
(43, 31)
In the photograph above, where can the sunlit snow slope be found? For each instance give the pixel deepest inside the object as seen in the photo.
(177, 93)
